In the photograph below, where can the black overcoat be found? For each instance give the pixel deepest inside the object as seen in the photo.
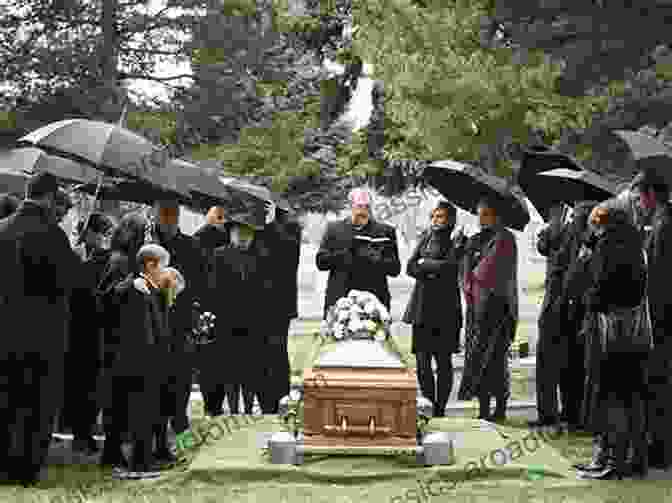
(40, 270)
(435, 301)
(348, 271)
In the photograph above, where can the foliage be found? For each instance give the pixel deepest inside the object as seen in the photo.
(47, 48)
(451, 98)
(598, 42)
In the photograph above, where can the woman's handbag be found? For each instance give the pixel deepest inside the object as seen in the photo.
(627, 330)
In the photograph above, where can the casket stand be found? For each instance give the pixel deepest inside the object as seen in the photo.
(360, 398)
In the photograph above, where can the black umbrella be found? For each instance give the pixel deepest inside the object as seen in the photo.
(465, 185)
(567, 186)
(17, 166)
(643, 145)
(538, 161)
(244, 202)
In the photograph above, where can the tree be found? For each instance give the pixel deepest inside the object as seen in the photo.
(74, 57)
(447, 96)
(597, 41)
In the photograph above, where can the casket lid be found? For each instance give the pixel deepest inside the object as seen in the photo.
(360, 354)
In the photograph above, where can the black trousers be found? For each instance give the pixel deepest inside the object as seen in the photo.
(426, 341)
(276, 378)
(31, 387)
(183, 362)
(659, 405)
(573, 374)
(81, 402)
(134, 408)
(437, 391)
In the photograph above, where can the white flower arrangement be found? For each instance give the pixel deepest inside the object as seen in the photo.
(204, 331)
(360, 315)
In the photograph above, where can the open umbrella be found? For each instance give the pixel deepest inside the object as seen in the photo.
(537, 161)
(244, 202)
(175, 180)
(108, 147)
(568, 186)
(17, 166)
(643, 145)
(464, 185)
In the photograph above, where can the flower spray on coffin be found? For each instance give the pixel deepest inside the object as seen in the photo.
(359, 316)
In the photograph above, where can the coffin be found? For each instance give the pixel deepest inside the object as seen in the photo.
(359, 395)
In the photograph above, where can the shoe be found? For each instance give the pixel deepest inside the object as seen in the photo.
(593, 466)
(116, 460)
(607, 473)
(439, 411)
(85, 445)
(122, 474)
(165, 457)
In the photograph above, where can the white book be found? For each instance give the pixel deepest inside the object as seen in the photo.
(372, 240)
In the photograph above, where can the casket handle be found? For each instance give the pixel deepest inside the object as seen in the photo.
(344, 428)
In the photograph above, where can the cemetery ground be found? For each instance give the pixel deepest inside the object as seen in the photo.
(77, 478)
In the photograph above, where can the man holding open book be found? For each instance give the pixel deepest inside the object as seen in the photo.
(359, 253)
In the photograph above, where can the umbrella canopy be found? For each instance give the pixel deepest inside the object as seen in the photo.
(568, 186)
(18, 165)
(643, 145)
(538, 161)
(175, 181)
(465, 185)
(244, 202)
(108, 147)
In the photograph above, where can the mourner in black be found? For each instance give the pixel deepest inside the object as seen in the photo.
(236, 363)
(39, 271)
(575, 282)
(84, 360)
(615, 297)
(359, 254)
(435, 306)
(142, 354)
(127, 239)
(551, 346)
(186, 257)
(654, 200)
(282, 239)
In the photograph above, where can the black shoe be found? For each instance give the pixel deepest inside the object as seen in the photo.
(658, 459)
(439, 411)
(608, 473)
(165, 457)
(592, 466)
(113, 460)
(85, 445)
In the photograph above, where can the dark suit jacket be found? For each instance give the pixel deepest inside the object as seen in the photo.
(435, 301)
(347, 271)
(39, 271)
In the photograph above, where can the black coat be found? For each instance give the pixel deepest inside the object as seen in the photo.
(552, 246)
(187, 257)
(659, 255)
(279, 249)
(435, 301)
(40, 270)
(142, 331)
(340, 254)
(238, 286)
(617, 271)
(86, 321)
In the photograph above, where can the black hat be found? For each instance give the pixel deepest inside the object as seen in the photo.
(98, 223)
(42, 184)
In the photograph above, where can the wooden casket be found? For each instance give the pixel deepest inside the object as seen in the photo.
(359, 395)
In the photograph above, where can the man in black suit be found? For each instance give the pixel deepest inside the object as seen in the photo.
(39, 270)
(188, 258)
(359, 253)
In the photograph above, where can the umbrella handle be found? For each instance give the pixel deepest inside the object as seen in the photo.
(88, 217)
